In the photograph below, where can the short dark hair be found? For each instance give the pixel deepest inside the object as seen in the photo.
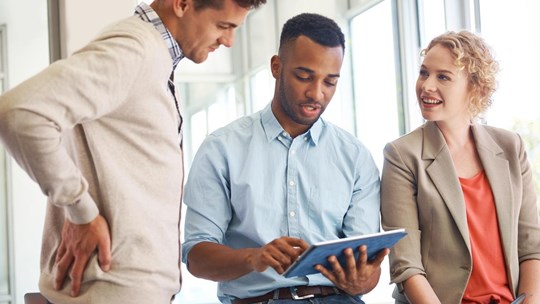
(218, 4)
(318, 28)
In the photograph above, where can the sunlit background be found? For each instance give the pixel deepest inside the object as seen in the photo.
(375, 98)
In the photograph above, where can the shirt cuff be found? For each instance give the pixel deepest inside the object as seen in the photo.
(83, 211)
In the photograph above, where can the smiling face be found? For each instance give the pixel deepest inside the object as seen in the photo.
(442, 88)
(199, 32)
(306, 76)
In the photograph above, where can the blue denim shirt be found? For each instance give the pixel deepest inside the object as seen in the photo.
(250, 183)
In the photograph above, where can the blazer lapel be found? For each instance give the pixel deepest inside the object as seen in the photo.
(497, 171)
(444, 177)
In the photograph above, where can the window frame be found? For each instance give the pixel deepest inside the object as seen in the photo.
(5, 186)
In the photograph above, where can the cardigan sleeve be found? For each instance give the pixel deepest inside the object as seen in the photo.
(34, 115)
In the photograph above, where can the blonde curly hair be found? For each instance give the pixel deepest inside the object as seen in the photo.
(472, 54)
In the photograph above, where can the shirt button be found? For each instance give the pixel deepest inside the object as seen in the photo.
(293, 152)
(292, 213)
(291, 183)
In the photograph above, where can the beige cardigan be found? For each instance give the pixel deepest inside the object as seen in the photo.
(420, 191)
(98, 133)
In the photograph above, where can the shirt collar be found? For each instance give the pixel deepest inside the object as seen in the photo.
(273, 129)
(146, 13)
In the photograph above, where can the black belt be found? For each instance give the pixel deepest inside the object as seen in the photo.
(295, 293)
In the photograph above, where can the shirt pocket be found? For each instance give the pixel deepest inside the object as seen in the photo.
(326, 210)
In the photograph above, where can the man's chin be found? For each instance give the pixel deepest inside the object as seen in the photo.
(198, 58)
(306, 121)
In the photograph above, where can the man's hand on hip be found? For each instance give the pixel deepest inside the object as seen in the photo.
(78, 244)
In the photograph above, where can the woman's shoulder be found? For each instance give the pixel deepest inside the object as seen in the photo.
(496, 131)
(502, 137)
(410, 140)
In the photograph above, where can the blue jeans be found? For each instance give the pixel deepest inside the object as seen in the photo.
(335, 299)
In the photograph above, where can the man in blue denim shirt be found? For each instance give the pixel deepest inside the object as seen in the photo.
(267, 185)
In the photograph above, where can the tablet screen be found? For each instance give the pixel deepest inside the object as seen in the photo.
(318, 253)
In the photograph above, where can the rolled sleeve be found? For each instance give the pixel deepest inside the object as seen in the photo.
(207, 199)
(363, 215)
(83, 211)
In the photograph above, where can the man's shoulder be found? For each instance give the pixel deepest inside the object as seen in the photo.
(412, 138)
(240, 127)
(127, 38)
(231, 138)
(130, 27)
(337, 133)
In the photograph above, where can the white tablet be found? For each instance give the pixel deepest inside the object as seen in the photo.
(318, 253)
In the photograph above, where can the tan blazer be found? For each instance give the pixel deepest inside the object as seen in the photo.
(420, 191)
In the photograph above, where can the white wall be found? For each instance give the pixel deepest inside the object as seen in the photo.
(83, 20)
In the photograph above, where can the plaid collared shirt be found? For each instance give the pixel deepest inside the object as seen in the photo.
(146, 13)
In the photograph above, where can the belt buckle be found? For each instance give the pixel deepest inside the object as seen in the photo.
(295, 295)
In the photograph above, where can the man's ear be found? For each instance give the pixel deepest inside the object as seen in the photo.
(180, 7)
(275, 66)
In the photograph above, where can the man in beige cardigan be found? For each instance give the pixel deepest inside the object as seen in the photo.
(100, 132)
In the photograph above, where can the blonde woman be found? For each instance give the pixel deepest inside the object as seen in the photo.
(463, 190)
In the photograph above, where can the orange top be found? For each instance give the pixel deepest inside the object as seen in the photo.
(488, 282)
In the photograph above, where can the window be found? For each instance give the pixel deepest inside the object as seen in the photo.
(375, 70)
(374, 77)
(516, 45)
(5, 254)
(432, 23)
(223, 111)
(3, 58)
(432, 18)
(262, 89)
(198, 130)
(6, 287)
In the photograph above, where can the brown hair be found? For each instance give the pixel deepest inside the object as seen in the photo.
(473, 55)
(218, 4)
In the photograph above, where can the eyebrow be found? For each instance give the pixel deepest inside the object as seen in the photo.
(438, 71)
(310, 71)
(228, 24)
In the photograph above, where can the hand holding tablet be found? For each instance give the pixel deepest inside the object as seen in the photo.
(318, 253)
